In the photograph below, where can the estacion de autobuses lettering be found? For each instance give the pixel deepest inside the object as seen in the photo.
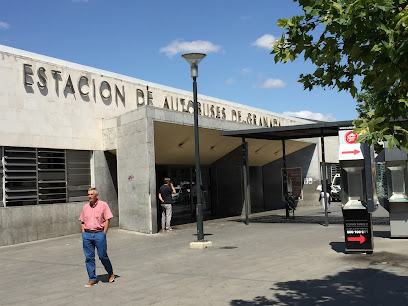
(87, 87)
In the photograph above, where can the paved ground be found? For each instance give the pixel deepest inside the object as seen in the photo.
(272, 261)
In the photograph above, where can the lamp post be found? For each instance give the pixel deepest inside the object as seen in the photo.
(194, 59)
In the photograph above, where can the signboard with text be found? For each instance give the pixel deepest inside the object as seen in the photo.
(358, 232)
(294, 177)
(349, 149)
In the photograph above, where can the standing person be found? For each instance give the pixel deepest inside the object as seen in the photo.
(95, 223)
(322, 201)
(165, 192)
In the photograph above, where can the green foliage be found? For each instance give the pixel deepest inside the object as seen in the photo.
(351, 42)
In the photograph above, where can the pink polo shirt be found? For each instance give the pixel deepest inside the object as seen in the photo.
(94, 217)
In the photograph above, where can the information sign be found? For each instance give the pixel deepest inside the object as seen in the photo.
(349, 149)
(358, 231)
(294, 177)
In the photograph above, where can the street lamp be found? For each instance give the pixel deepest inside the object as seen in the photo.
(194, 59)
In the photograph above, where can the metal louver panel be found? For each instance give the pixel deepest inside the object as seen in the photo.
(52, 185)
(334, 169)
(79, 174)
(30, 176)
(1, 177)
(381, 180)
(20, 176)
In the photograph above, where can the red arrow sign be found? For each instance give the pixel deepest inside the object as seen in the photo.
(361, 239)
(351, 152)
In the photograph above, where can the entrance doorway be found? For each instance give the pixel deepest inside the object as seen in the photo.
(183, 178)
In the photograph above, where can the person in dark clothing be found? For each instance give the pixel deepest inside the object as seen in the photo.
(165, 192)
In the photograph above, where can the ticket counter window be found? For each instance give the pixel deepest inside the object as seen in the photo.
(398, 182)
(353, 185)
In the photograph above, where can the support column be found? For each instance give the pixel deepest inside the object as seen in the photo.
(285, 179)
(324, 184)
(245, 172)
(137, 176)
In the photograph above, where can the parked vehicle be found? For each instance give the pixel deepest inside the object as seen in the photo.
(336, 188)
(181, 196)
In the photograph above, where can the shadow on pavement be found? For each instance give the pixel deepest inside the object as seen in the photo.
(307, 219)
(339, 247)
(382, 234)
(358, 286)
(204, 234)
(104, 278)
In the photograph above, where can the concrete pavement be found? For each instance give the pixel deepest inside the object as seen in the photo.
(271, 261)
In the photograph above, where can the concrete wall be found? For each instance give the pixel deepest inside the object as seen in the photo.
(331, 149)
(136, 173)
(68, 102)
(227, 192)
(265, 182)
(307, 159)
(63, 118)
(34, 222)
(70, 115)
(105, 180)
(256, 189)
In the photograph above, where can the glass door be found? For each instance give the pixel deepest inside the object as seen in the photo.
(183, 178)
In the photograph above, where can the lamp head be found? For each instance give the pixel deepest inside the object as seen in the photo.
(194, 59)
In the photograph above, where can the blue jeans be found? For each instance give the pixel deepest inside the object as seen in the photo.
(89, 242)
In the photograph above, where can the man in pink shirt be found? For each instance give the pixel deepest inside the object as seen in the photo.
(94, 225)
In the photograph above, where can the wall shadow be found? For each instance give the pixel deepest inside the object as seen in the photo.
(272, 178)
(113, 169)
(311, 220)
(358, 286)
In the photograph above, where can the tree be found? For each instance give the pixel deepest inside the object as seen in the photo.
(360, 46)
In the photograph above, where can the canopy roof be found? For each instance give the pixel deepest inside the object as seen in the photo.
(292, 131)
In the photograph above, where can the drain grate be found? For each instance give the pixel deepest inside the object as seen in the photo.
(228, 247)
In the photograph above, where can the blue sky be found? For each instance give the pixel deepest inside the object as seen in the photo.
(145, 40)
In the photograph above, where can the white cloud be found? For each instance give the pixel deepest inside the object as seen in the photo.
(229, 81)
(4, 25)
(272, 83)
(309, 115)
(265, 41)
(245, 71)
(197, 46)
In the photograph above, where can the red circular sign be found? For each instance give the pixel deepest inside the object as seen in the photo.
(351, 137)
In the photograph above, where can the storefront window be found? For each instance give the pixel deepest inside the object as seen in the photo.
(184, 200)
